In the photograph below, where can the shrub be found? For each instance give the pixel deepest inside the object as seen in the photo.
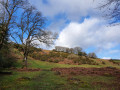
(44, 58)
(75, 61)
(50, 60)
(84, 60)
(6, 58)
(56, 61)
(107, 74)
(18, 46)
(54, 50)
(64, 55)
(103, 62)
(54, 54)
(72, 73)
(82, 54)
(73, 56)
(57, 73)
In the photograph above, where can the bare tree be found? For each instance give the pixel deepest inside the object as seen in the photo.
(92, 55)
(8, 8)
(112, 8)
(31, 29)
(68, 50)
(77, 50)
(71, 50)
(62, 49)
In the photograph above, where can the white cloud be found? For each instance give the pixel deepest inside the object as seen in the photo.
(74, 9)
(92, 32)
(114, 51)
(106, 58)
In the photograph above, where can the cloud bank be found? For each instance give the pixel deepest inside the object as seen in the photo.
(73, 9)
(79, 23)
(91, 33)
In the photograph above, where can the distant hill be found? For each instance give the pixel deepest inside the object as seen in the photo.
(53, 56)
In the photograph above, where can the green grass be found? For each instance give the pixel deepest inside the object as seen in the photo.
(12, 81)
(48, 65)
(48, 80)
(116, 61)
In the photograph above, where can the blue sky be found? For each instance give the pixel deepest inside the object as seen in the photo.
(80, 23)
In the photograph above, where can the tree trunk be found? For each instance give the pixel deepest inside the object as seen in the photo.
(25, 57)
(26, 51)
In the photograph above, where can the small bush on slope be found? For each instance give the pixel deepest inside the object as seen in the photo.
(7, 58)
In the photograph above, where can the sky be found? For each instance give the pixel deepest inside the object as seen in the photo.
(81, 23)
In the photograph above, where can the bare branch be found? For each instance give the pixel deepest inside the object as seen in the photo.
(112, 12)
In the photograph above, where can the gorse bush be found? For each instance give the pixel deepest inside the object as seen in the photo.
(50, 60)
(64, 55)
(84, 60)
(46, 57)
(18, 46)
(82, 54)
(54, 54)
(73, 56)
(103, 62)
(56, 57)
(56, 61)
(38, 56)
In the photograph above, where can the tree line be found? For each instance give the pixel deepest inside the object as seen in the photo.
(76, 50)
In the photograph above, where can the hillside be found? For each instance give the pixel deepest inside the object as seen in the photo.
(78, 31)
(53, 56)
(50, 75)
(61, 58)
(71, 59)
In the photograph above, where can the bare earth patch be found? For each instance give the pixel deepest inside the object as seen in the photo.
(107, 71)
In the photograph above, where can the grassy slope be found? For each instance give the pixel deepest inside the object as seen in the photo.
(47, 65)
(47, 80)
